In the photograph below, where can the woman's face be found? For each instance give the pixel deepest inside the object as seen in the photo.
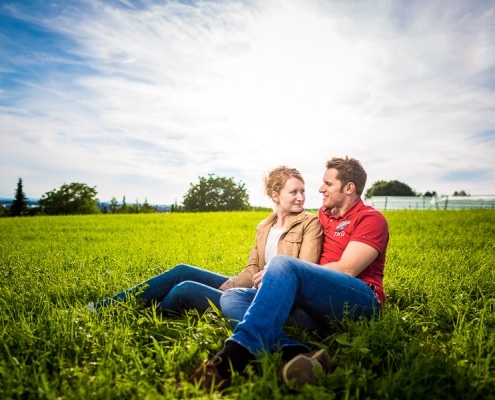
(291, 197)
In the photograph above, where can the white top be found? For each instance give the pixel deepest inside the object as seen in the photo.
(272, 240)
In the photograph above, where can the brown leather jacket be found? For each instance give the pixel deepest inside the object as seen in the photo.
(302, 239)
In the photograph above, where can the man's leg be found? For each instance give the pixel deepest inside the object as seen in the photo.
(320, 292)
(235, 302)
(156, 288)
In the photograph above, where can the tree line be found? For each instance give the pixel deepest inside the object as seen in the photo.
(69, 199)
(211, 193)
(396, 188)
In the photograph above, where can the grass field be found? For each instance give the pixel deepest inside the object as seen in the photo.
(435, 339)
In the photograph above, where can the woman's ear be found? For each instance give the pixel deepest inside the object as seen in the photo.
(275, 196)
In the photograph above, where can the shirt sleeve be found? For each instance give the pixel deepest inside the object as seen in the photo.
(372, 229)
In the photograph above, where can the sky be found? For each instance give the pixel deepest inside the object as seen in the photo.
(141, 98)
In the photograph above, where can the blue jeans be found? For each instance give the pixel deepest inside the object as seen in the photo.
(297, 291)
(181, 288)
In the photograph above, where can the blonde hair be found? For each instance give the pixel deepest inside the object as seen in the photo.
(276, 178)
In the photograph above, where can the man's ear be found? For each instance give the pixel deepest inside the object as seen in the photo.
(350, 188)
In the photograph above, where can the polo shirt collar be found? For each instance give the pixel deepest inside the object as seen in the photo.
(354, 208)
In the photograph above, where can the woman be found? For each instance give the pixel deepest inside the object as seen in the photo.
(288, 230)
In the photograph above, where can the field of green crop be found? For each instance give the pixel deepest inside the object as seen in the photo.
(435, 339)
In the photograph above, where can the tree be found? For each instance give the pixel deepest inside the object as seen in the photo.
(176, 207)
(146, 207)
(216, 194)
(114, 205)
(389, 188)
(76, 198)
(460, 193)
(19, 205)
(124, 208)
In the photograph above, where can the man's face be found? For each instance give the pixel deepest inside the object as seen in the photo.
(331, 189)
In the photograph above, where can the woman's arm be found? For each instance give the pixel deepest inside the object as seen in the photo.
(245, 277)
(311, 242)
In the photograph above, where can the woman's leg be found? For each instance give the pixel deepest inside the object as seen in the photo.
(235, 302)
(158, 287)
(190, 295)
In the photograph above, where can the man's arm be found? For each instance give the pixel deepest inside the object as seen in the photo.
(355, 258)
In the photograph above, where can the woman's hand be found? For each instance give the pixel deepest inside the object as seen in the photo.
(257, 277)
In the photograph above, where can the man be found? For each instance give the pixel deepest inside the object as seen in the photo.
(347, 282)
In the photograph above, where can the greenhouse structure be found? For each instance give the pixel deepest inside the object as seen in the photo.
(431, 203)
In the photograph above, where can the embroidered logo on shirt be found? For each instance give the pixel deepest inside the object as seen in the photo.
(342, 225)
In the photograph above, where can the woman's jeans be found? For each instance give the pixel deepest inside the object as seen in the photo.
(296, 291)
(181, 288)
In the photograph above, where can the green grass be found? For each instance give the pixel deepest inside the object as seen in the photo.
(435, 339)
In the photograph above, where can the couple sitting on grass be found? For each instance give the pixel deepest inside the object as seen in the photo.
(303, 270)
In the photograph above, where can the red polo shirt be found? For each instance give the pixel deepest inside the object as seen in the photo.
(360, 223)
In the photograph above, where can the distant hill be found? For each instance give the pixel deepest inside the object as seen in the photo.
(8, 201)
(104, 205)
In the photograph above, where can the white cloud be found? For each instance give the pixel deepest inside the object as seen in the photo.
(140, 102)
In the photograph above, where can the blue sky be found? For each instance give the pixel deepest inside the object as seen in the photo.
(140, 98)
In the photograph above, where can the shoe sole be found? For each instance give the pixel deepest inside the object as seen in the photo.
(305, 369)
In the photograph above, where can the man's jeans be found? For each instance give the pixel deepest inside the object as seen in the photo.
(307, 293)
(181, 288)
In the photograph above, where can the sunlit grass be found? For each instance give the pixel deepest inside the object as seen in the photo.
(435, 338)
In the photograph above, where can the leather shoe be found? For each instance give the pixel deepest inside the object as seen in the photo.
(207, 376)
(305, 368)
